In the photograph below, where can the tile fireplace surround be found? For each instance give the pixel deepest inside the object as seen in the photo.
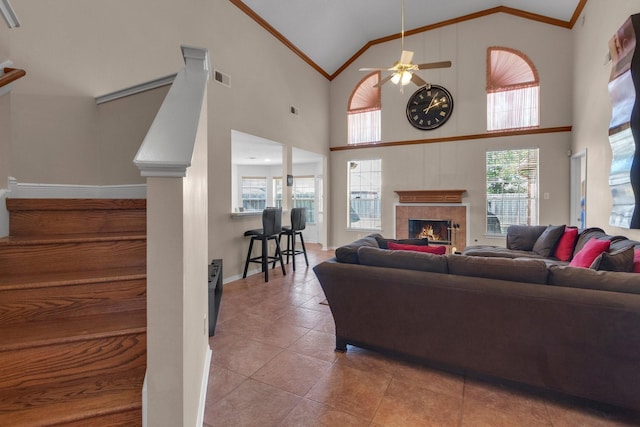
(432, 205)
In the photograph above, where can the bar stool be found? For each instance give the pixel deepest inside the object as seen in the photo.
(271, 228)
(298, 223)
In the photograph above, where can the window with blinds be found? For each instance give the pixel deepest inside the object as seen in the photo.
(363, 114)
(512, 189)
(365, 188)
(513, 90)
(254, 193)
(277, 192)
(304, 196)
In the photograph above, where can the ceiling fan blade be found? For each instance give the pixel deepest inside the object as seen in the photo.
(443, 64)
(406, 57)
(383, 81)
(375, 69)
(417, 80)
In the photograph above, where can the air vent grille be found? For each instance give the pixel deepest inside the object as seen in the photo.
(222, 78)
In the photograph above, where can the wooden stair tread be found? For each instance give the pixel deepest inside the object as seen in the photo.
(27, 279)
(74, 204)
(72, 238)
(74, 401)
(57, 331)
(73, 330)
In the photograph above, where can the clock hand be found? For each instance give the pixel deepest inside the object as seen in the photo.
(431, 104)
(434, 103)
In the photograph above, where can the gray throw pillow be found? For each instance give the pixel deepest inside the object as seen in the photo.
(349, 253)
(621, 260)
(548, 240)
(523, 237)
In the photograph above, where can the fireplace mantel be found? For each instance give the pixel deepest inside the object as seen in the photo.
(430, 196)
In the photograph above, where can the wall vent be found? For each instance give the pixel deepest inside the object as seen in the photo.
(221, 78)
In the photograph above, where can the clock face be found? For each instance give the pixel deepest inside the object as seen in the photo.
(429, 107)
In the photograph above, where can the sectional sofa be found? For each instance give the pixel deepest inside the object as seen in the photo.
(525, 317)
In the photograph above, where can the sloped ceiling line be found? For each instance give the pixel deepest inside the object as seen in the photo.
(499, 9)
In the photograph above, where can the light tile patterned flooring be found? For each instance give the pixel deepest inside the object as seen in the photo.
(274, 365)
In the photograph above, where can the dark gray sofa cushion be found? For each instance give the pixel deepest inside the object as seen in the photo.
(586, 278)
(516, 270)
(546, 244)
(497, 251)
(523, 237)
(349, 253)
(407, 260)
(384, 243)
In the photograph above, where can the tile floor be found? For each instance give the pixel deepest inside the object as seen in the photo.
(273, 365)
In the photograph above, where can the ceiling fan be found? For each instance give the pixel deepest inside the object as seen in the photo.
(403, 70)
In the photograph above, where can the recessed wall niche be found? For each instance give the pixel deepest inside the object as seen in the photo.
(624, 128)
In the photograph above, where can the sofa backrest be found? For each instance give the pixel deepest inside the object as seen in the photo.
(525, 270)
(406, 260)
(587, 278)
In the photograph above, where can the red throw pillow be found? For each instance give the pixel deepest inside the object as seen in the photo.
(438, 250)
(636, 261)
(589, 253)
(566, 244)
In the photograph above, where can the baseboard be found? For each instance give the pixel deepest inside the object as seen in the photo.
(4, 214)
(21, 190)
(203, 388)
(145, 401)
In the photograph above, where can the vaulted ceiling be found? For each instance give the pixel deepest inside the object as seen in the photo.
(329, 34)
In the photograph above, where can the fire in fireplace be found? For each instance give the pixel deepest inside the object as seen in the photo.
(437, 230)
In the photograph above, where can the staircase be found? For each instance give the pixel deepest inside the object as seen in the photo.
(73, 312)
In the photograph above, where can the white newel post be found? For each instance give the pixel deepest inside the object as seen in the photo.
(173, 157)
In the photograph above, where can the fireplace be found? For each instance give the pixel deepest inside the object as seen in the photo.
(457, 214)
(436, 230)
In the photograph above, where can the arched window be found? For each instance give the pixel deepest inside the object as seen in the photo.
(364, 111)
(513, 90)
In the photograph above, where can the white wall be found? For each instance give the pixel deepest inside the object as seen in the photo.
(5, 113)
(266, 78)
(591, 103)
(76, 50)
(460, 164)
(5, 135)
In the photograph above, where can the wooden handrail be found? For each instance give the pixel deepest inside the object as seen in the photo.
(11, 75)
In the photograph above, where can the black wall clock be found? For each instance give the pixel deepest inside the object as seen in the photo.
(429, 107)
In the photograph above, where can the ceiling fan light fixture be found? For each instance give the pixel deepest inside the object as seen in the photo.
(402, 77)
(406, 78)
